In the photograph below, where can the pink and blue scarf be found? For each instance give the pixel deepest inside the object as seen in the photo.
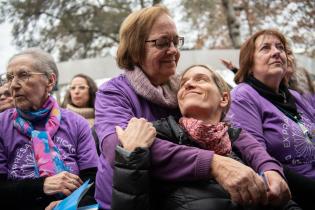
(47, 155)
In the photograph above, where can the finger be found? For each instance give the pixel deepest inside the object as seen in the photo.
(66, 191)
(76, 178)
(52, 205)
(119, 131)
(236, 196)
(246, 198)
(261, 190)
(254, 195)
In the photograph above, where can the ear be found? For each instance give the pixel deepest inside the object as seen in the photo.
(51, 82)
(224, 100)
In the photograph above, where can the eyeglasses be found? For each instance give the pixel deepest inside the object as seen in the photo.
(165, 43)
(80, 87)
(21, 76)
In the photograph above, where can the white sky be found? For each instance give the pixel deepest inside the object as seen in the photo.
(6, 47)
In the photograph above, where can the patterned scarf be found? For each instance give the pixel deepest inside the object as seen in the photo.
(46, 153)
(208, 136)
(164, 95)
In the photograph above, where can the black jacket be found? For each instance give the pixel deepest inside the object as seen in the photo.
(133, 189)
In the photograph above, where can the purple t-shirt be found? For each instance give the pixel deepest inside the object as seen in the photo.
(73, 139)
(116, 103)
(282, 137)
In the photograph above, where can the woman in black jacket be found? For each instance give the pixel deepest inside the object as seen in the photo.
(202, 95)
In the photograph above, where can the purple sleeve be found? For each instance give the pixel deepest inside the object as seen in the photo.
(194, 162)
(86, 149)
(170, 161)
(244, 114)
(255, 155)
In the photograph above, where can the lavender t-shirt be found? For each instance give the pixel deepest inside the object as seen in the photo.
(73, 139)
(282, 137)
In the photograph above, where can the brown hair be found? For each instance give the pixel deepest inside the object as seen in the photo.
(219, 82)
(92, 92)
(133, 33)
(247, 51)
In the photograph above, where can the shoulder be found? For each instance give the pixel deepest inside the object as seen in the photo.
(71, 118)
(120, 82)
(6, 118)
(243, 90)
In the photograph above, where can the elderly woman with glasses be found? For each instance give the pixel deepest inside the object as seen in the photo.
(148, 53)
(46, 152)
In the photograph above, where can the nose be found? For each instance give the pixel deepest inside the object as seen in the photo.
(275, 51)
(189, 84)
(14, 84)
(172, 49)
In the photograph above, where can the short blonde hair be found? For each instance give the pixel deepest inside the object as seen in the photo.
(247, 52)
(219, 82)
(133, 33)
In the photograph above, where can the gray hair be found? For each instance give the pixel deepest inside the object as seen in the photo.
(43, 61)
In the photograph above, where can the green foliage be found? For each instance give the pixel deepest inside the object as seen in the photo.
(72, 28)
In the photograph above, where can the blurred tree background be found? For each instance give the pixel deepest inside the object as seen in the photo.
(76, 29)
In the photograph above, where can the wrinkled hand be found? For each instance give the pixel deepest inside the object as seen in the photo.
(139, 133)
(63, 182)
(243, 184)
(52, 205)
(279, 192)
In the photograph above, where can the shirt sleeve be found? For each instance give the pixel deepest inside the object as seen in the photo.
(86, 149)
(245, 114)
(255, 155)
(169, 161)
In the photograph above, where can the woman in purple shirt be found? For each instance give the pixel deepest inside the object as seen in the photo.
(148, 52)
(45, 151)
(279, 118)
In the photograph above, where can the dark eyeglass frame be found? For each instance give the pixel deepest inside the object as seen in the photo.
(166, 43)
(22, 78)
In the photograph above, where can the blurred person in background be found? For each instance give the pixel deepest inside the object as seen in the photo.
(80, 97)
(46, 152)
(6, 100)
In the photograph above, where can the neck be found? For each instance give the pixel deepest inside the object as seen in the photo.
(212, 118)
(272, 83)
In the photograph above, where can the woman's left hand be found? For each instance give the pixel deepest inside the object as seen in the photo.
(63, 182)
(52, 205)
(279, 192)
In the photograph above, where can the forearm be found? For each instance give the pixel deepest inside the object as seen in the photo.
(169, 161)
(255, 155)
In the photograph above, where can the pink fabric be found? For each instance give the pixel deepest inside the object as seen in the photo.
(164, 95)
(208, 136)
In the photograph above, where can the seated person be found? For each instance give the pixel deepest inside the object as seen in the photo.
(6, 100)
(279, 118)
(46, 152)
(203, 100)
